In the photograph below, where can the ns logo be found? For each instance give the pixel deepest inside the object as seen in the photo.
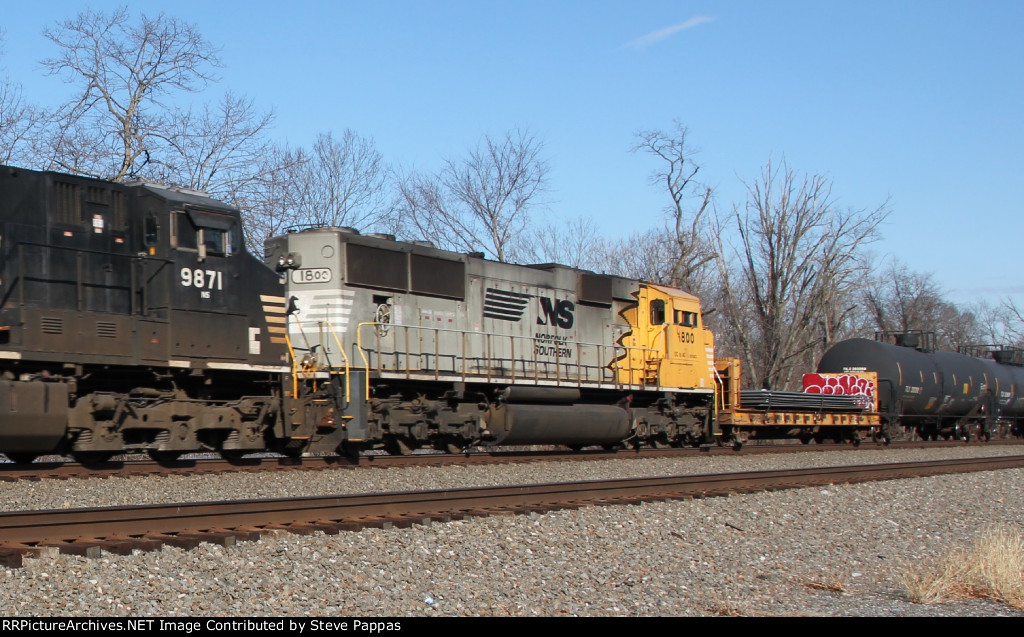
(555, 312)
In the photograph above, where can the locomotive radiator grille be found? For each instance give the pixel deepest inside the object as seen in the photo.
(51, 325)
(106, 329)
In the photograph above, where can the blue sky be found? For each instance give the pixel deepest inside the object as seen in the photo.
(918, 102)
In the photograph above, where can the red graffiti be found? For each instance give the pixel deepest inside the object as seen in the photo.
(839, 384)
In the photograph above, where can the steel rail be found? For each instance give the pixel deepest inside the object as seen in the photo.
(10, 472)
(67, 528)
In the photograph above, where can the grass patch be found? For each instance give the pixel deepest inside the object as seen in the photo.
(993, 569)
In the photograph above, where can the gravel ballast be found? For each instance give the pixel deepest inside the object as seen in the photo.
(826, 551)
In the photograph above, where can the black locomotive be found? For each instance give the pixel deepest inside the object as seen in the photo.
(132, 317)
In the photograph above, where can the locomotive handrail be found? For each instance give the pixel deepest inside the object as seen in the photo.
(561, 368)
(366, 361)
(344, 356)
(133, 286)
(660, 333)
(294, 365)
(346, 367)
(140, 256)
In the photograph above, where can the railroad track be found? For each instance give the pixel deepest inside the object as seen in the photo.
(148, 527)
(64, 470)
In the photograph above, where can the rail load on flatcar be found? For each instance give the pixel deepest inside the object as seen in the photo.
(831, 407)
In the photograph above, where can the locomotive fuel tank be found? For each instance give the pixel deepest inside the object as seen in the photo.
(553, 415)
(573, 425)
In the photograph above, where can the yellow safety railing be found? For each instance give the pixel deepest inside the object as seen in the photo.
(345, 367)
(344, 356)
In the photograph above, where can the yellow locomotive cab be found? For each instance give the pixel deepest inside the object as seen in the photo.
(668, 345)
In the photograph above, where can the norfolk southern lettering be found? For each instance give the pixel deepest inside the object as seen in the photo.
(551, 345)
(559, 314)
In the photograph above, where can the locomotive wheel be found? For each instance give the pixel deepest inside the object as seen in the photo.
(398, 446)
(164, 457)
(659, 441)
(448, 447)
(350, 449)
(238, 457)
(90, 458)
(21, 458)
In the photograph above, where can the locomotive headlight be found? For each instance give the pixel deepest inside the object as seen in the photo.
(289, 261)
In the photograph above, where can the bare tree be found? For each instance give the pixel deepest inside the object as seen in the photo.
(574, 243)
(481, 202)
(1012, 328)
(124, 70)
(796, 262)
(640, 255)
(901, 300)
(686, 246)
(340, 182)
(19, 124)
(215, 149)
(265, 202)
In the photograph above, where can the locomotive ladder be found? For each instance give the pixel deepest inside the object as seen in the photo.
(651, 368)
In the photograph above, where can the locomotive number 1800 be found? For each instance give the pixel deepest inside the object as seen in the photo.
(202, 279)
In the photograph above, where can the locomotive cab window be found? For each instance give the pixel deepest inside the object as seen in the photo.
(211, 234)
(151, 231)
(686, 319)
(658, 312)
(184, 234)
(214, 242)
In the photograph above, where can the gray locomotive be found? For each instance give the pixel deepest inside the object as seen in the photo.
(431, 347)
